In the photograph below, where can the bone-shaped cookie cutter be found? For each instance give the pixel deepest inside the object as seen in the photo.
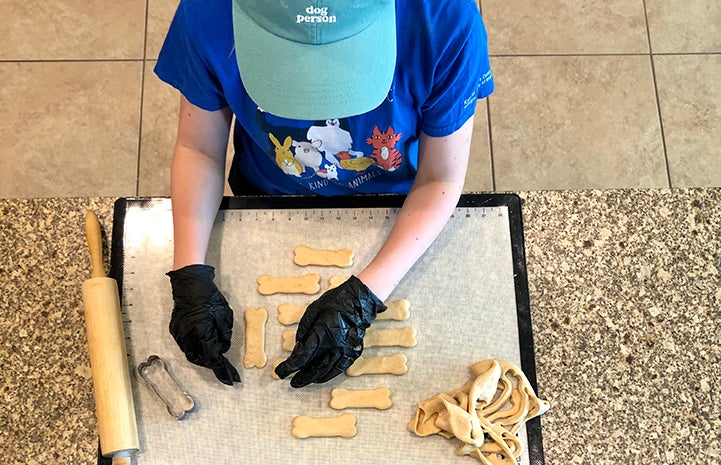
(156, 375)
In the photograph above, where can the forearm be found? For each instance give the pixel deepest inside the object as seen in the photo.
(196, 179)
(442, 164)
(197, 182)
(422, 217)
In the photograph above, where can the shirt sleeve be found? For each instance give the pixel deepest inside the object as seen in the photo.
(462, 72)
(183, 64)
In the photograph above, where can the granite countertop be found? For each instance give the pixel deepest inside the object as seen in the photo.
(626, 306)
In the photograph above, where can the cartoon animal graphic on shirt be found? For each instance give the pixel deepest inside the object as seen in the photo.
(384, 153)
(348, 162)
(329, 172)
(284, 157)
(307, 154)
(333, 140)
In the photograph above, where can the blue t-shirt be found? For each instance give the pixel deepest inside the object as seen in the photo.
(442, 67)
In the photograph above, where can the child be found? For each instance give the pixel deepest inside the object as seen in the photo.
(331, 97)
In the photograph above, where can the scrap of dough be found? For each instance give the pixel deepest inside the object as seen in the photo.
(342, 425)
(305, 256)
(379, 398)
(457, 421)
(255, 319)
(335, 281)
(289, 314)
(306, 284)
(392, 364)
(397, 310)
(401, 337)
(484, 414)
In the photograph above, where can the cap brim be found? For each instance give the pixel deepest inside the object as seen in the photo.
(316, 82)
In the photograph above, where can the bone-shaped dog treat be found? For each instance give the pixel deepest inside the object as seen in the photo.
(392, 364)
(397, 310)
(342, 425)
(335, 281)
(274, 364)
(288, 339)
(402, 337)
(289, 313)
(306, 256)
(306, 284)
(255, 319)
(379, 398)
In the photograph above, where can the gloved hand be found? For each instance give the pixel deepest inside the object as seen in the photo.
(330, 333)
(202, 321)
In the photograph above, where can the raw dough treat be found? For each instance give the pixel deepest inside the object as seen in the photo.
(255, 319)
(306, 256)
(289, 313)
(391, 364)
(485, 414)
(402, 337)
(306, 284)
(397, 310)
(275, 363)
(342, 425)
(379, 398)
(335, 281)
(288, 339)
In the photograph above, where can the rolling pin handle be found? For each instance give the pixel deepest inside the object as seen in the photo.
(95, 244)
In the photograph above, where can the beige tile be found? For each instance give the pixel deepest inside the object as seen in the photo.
(478, 176)
(160, 127)
(684, 25)
(689, 91)
(565, 26)
(72, 29)
(575, 122)
(69, 129)
(160, 13)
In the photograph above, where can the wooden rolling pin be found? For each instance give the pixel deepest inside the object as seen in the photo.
(114, 407)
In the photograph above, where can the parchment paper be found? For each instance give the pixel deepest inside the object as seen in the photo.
(462, 304)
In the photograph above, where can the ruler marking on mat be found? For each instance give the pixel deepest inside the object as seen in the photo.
(352, 214)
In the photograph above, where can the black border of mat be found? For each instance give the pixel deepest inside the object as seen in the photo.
(509, 200)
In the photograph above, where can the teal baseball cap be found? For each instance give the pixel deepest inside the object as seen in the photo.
(315, 59)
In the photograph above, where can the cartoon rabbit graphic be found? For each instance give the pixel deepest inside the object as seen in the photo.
(284, 157)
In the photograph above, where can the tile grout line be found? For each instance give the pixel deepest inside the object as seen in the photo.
(492, 55)
(142, 101)
(488, 122)
(73, 60)
(658, 101)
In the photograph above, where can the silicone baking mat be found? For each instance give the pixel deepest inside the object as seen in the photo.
(468, 296)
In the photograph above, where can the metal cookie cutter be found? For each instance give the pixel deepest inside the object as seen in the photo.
(155, 373)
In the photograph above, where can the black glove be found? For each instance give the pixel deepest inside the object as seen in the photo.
(330, 333)
(202, 321)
